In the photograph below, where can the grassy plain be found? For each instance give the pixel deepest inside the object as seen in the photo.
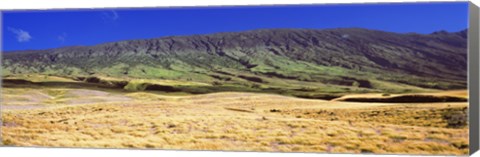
(80, 115)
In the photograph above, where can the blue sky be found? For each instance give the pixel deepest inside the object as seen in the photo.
(25, 30)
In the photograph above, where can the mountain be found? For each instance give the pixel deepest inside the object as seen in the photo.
(328, 60)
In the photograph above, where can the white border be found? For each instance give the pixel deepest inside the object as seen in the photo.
(78, 152)
(74, 152)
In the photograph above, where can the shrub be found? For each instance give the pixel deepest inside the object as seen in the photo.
(455, 119)
(135, 86)
(274, 110)
(216, 83)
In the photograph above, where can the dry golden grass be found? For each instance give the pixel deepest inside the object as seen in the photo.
(229, 121)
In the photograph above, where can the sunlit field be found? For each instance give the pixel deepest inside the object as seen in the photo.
(56, 116)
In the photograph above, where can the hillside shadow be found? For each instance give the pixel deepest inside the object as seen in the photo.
(410, 99)
(20, 83)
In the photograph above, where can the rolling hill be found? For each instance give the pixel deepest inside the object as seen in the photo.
(301, 62)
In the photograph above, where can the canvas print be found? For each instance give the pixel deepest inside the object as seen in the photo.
(352, 78)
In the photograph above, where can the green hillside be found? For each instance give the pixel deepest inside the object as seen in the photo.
(300, 62)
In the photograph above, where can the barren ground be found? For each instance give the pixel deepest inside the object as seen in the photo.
(65, 117)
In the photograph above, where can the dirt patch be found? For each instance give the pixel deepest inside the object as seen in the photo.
(85, 93)
(28, 98)
(85, 96)
(21, 107)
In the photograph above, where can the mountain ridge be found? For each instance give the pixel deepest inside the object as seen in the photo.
(460, 32)
(272, 57)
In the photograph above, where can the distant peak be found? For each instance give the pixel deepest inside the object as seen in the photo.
(447, 32)
(440, 32)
